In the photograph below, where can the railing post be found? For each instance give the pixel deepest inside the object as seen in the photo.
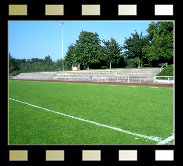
(154, 79)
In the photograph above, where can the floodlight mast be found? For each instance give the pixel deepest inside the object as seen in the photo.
(61, 24)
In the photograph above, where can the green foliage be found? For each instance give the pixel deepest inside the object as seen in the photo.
(70, 57)
(112, 52)
(167, 71)
(33, 65)
(88, 49)
(13, 66)
(14, 73)
(85, 52)
(160, 48)
(133, 48)
(88, 52)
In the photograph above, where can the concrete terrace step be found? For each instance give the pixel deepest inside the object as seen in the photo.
(117, 75)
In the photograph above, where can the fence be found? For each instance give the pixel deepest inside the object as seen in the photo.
(163, 79)
(103, 78)
(117, 78)
(127, 79)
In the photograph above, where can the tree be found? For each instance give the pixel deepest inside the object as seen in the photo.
(12, 64)
(59, 64)
(133, 48)
(48, 63)
(112, 51)
(70, 57)
(47, 60)
(32, 65)
(87, 49)
(36, 60)
(160, 48)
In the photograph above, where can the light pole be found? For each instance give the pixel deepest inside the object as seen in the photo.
(62, 24)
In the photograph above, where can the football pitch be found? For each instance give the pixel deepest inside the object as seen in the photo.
(57, 113)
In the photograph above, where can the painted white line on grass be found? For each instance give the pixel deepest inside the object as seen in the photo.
(158, 139)
(167, 140)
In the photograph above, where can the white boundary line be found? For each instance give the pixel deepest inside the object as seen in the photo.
(158, 139)
(167, 140)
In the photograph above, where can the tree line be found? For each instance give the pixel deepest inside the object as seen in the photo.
(17, 66)
(91, 52)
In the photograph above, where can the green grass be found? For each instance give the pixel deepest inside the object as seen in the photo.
(142, 110)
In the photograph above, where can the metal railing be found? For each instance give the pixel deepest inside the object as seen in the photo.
(163, 79)
(163, 66)
(116, 78)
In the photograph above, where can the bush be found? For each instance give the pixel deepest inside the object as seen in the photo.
(167, 71)
(14, 73)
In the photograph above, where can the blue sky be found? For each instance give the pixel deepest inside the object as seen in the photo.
(37, 39)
